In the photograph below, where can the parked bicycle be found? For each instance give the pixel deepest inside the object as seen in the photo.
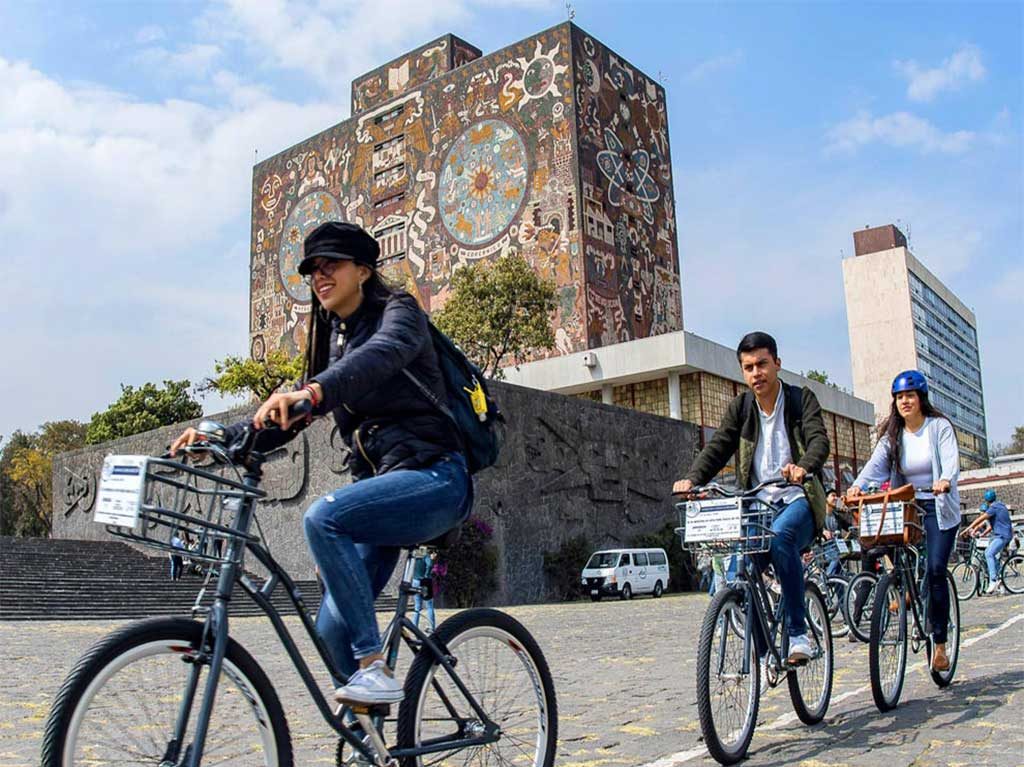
(477, 688)
(895, 522)
(742, 626)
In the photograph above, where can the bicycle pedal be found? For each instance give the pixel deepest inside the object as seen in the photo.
(383, 709)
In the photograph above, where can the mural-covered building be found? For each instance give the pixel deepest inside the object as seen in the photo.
(554, 148)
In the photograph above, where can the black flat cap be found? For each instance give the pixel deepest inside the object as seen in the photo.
(339, 240)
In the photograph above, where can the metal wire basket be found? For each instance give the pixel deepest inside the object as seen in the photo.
(195, 505)
(724, 526)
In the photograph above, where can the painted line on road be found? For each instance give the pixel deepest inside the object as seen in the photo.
(786, 719)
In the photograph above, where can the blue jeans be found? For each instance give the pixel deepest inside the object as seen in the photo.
(794, 531)
(419, 603)
(939, 544)
(835, 565)
(356, 535)
(995, 545)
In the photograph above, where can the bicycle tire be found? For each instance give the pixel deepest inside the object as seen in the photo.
(834, 599)
(965, 578)
(862, 582)
(500, 631)
(800, 678)
(1012, 574)
(716, 621)
(889, 597)
(174, 640)
(945, 678)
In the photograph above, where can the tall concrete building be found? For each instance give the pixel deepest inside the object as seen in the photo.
(900, 317)
(555, 148)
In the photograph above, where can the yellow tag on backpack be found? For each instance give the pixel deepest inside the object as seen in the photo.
(477, 399)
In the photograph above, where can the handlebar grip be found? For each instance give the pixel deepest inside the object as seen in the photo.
(298, 410)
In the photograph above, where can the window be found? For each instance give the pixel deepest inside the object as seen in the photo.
(390, 200)
(657, 558)
(624, 561)
(389, 115)
(641, 559)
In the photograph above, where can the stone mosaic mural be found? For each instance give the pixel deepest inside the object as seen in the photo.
(553, 148)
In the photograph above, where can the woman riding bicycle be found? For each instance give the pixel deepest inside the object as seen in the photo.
(917, 445)
(410, 480)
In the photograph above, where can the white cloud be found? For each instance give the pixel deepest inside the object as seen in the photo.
(150, 33)
(193, 60)
(715, 65)
(924, 84)
(900, 129)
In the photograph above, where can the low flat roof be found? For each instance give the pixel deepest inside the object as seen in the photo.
(647, 359)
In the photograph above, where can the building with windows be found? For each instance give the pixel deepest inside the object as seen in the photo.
(901, 317)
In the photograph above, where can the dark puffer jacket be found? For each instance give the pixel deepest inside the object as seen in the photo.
(383, 418)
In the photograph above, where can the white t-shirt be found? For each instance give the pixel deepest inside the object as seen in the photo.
(772, 452)
(916, 458)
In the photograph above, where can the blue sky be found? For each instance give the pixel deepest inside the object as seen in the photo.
(128, 132)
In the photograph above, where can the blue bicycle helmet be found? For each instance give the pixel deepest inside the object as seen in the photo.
(910, 380)
(990, 496)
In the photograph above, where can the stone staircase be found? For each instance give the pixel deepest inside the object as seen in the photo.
(53, 579)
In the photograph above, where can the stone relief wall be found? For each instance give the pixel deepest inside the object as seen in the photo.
(569, 467)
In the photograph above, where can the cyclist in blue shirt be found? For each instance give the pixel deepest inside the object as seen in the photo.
(995, 517)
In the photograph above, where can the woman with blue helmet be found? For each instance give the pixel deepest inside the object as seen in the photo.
(994, 518)
(917, 445)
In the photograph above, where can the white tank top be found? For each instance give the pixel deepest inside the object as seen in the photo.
(916, 458)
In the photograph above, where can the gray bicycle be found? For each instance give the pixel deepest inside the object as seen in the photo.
(177, 691)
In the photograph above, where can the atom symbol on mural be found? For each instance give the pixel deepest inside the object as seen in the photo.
(632, 177)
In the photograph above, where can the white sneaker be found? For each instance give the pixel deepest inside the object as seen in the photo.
(800, 649)
(370, 686)
(993, 588)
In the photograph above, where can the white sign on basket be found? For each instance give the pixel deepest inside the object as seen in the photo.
(120, 491)
(871, 518)
(717, 520)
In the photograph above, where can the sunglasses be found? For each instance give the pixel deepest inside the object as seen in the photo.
(326, 267)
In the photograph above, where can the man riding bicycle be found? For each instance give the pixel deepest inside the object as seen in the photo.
(774, 430)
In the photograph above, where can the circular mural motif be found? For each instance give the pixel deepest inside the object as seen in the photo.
(539, 76)
(308, 213)
(483, 182)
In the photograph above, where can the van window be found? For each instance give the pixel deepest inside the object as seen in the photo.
(624, 562)
(601, 560)
(640, 559)
(657, 558)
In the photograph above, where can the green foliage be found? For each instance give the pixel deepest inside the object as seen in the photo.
(499, 312)
(142, 409)
(817, 375)
(26, 476)
(1014, 447)
(682, 571)
(466, 572)
(562, 568)
(257, 378)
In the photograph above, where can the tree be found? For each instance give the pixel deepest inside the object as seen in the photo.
(26, 476)
(499, 312)
(142, 409)
(818, 375)
(1014, 447)
(257, 378)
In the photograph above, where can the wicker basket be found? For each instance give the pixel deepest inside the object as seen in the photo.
(888, 519)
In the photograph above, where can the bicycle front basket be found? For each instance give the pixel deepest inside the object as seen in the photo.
(725, 525)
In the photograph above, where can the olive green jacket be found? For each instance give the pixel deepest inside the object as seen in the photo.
(741, 429)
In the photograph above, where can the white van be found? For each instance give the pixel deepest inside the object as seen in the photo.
(625, 572)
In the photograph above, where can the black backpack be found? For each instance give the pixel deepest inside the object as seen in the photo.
(478, 422)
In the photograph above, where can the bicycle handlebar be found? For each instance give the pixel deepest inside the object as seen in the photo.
(714, 487)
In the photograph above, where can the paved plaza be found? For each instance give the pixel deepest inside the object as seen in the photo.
(624, 674)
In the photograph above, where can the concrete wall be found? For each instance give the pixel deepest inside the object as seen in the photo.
(569, 467)
(879, 322)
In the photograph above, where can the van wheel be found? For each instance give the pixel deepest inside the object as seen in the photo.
(658, 589)
(595, 597)
(627, 592)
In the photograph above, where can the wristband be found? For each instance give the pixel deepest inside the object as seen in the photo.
(312, 395)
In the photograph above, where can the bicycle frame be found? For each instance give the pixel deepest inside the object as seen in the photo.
(216, 636)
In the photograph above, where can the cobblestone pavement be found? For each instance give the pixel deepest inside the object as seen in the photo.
(624, 675)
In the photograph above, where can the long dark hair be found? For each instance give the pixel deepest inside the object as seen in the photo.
(318, 341)
(892, 427)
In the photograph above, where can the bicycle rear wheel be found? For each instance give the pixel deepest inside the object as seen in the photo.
(965, 578)
(120, 703)
(944, 678)
(810, 685)
(887, 650)
(727, 696)
(1012, 574)
(859, 604)
(504, 669)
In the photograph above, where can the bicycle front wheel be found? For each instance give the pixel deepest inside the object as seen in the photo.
(887, 649)
(727, 679)
(504, 669)
(965, 578)
(944, 678)
(859, 603)
(1012, 574)
(810, 685)
(834, 599)
(122, 701)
